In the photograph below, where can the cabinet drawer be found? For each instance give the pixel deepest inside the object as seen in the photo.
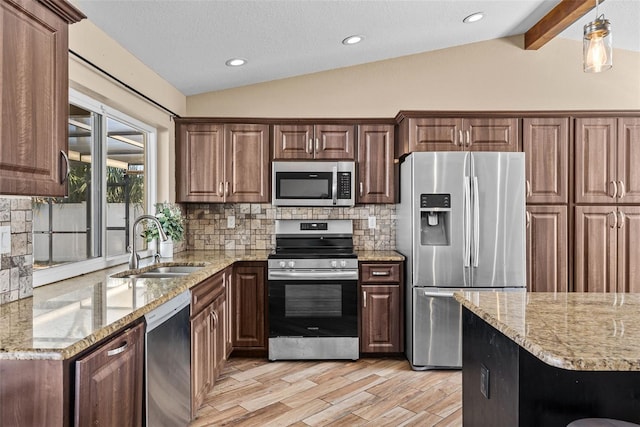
(379, 273)
(206, 291)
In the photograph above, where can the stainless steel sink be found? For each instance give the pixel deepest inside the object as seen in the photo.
(160, 272)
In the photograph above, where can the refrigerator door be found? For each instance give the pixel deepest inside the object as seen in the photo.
(437, 329)
(498, 215)
(440, 234)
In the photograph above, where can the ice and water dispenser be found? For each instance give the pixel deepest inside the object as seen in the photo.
(435, 219)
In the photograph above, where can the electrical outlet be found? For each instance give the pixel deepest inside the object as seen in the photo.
(231, 221)
(5, 239)
(372, 222)
(484, 381)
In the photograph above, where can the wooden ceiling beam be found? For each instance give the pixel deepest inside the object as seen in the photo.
(557, 20)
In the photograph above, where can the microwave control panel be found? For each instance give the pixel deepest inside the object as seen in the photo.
(344, 185)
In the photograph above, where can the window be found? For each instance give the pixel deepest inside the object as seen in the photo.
(110, 184)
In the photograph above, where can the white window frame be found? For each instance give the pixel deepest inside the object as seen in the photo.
(72, 269)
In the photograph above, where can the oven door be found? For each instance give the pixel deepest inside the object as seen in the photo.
(313, 308)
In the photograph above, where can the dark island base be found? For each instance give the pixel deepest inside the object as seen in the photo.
(524, 391)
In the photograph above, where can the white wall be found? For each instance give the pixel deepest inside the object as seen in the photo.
(492, 75)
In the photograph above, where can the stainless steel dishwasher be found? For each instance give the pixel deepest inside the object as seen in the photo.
(168, 364)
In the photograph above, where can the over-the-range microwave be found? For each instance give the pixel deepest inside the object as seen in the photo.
(313, 183)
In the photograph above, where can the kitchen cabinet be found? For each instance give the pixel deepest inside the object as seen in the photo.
(376, 172)
(381, 308)
(109, 382)
(34, 84)
(607, 256)
(547, 249)
(249, 309)
(222, 163)
(208, 349)
(545, 142)
(458, 134)
(320, 142)
(607, 151)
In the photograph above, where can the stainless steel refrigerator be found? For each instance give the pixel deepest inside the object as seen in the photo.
(461, 226)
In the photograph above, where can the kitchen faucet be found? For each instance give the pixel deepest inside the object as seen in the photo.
(134, 258)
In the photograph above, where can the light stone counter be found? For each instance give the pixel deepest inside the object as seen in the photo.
(67, 317)
(573, 331)
(372, 256)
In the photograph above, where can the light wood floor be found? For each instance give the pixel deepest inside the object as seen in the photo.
(372, 392)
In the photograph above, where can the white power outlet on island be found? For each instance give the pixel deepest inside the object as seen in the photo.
(372, 222)
(231, 221)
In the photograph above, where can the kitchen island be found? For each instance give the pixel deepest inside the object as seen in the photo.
(546, 359)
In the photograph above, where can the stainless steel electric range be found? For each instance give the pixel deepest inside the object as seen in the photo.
(313, 296)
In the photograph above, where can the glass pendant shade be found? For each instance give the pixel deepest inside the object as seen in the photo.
(597, 52)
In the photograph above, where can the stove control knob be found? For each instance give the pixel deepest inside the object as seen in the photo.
(292, 264)
(334, 264)
(343, 263)
(282, 264)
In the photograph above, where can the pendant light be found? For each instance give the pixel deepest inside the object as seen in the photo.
(597, 53)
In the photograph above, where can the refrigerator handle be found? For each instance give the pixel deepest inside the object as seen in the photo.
(467, 221)
(476, 222)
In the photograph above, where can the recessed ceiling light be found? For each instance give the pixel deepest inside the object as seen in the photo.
(235, 62)
(352, 40)
(475, 17)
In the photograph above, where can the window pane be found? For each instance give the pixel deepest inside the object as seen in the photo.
(62, 226)
(125, 184)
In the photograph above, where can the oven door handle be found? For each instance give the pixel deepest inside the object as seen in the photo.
(313, 275)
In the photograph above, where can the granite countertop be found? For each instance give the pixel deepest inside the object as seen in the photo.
(574, 331)
(65, 318)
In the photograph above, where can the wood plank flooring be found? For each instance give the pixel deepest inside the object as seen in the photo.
(367, 392)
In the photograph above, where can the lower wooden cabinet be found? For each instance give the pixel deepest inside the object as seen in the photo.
(248, 308)
(208, 337)
(381, 308)
(547, 249)
(109, 382)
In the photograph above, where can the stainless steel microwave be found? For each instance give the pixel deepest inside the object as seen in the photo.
(313, 183)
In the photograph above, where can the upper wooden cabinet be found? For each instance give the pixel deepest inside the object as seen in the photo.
(458, 134)
(607, 152)
(607, 256)
(546, 145)
(320, 142)
(376, 175)
(222, 162)
(34, 86)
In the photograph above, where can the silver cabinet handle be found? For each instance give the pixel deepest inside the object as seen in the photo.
(118, 350)
(361, 188)
(317, 144)
(468, 132)
(623, 217)
(623, 190)
(615, 220)
(455, 141)
(380, 273)
(615, 189)
(310, 146)
(226, 188)
(528, 219)
(528, 188)
(66, 161)
(221, 189)
(364, 299)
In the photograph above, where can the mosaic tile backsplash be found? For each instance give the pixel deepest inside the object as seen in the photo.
(16, 264)
(254, 225)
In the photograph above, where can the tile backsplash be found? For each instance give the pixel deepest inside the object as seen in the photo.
(208, 225)
(16, 252)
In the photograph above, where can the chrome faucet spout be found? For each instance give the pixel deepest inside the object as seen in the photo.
(134, 258)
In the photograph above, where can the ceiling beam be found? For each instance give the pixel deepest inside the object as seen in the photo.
(557, 20)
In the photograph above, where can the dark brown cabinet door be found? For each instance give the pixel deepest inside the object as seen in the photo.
(34, 85)
(248, 306)
(247, 174)
(293, 142)
(629, 160)
(334, 142)
(376, 183)
(200, 163)
(547, 249)
(380, 328)
(595, 160)
(109, 382)
(434, 134)
(628, 249)
(595, 251)
(201, 358)
(306, 142)
(491, 134)
(546, 145)
(218, 325)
